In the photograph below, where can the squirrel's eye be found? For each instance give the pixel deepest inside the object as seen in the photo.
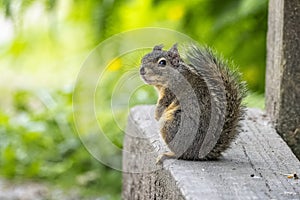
(162, 62)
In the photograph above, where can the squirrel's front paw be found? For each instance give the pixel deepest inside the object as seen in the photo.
(164, 156)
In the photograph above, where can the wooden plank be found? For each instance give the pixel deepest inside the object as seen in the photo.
(283, 70)
(257, 152)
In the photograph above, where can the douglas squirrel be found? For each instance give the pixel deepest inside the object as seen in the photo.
(200, 101)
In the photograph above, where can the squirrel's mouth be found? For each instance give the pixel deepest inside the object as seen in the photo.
(147, 80)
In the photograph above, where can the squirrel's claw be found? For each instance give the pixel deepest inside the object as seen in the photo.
(164, 156)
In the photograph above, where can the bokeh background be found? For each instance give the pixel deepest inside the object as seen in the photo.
(43, 44)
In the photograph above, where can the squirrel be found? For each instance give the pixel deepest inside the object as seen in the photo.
(200, 101)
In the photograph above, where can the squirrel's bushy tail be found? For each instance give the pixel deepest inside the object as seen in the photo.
(226, 93)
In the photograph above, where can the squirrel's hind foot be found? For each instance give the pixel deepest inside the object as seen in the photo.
(164, 156)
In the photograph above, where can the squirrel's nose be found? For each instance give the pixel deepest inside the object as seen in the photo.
(142, 71)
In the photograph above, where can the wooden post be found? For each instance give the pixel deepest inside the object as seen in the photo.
(283, 70)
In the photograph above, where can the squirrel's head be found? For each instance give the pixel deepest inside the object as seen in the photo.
(159, 66)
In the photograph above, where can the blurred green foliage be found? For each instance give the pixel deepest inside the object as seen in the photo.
(43, 44)
(236, 29)
(38, 141)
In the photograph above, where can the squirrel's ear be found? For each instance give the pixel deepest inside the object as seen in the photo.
(174, 55)
(158, 47)
(174, 49)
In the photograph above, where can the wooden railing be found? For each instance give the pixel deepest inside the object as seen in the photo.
(259, 165)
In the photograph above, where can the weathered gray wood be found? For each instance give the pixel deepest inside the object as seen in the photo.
(283, 70)
(258, 150)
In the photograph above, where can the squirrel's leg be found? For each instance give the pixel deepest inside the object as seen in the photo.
(170, 125)
(164, 156)
(165, 99)
(159, 111)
